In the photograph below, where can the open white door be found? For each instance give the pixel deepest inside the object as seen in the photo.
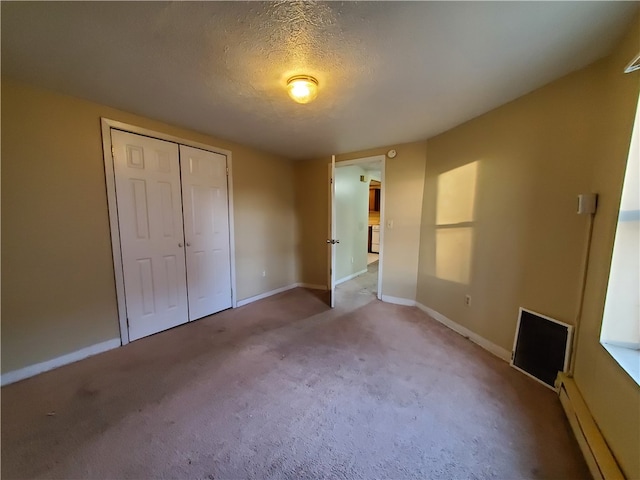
(332, 240)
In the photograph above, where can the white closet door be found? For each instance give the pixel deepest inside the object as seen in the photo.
(206, 225)
(147, 175)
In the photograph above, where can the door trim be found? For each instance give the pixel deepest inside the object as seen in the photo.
(382, 159)
(106, 126)
(332, 233)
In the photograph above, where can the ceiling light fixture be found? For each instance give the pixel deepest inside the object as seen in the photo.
(302, 88)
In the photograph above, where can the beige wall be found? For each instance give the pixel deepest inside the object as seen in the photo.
(352, 212)
(611, 395)
(404, 176)
(532, 158)
(265, 223)
(534, 155)
(312, 206)
(58, 292)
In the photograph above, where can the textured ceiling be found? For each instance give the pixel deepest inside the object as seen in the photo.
(389, 72)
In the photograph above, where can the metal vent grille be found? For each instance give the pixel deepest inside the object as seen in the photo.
(541, 347)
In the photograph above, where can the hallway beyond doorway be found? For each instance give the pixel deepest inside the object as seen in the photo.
(365, 284)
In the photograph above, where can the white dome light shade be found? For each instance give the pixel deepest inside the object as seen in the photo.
(302, 88)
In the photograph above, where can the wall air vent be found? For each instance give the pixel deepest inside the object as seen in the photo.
(634, 65)
(541, 347)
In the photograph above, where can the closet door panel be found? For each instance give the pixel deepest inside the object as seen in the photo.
(206, 222)
(148, 191)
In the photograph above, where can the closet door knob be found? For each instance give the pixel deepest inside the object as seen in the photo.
(180, 245)
(188, 244)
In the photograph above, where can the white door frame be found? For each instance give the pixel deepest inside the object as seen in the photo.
(382, 159)
(107, 125)
(332, 232)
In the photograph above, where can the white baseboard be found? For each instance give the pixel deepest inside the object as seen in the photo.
(398, 300)
(246, 301)
(255, 298)
(312, 286)
(349, 277)
(491, 347)
(31, 370)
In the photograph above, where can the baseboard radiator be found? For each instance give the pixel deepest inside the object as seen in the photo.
(602, 464)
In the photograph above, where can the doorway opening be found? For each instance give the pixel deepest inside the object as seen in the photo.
(359, 204)
(373, 240)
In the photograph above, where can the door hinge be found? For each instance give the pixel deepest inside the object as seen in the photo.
(227, 171)
(331, 181)
(113, 151)
(127, 322)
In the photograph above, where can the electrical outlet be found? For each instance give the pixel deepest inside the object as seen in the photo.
(467, 300)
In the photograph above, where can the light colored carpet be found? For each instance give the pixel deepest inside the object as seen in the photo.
(286, 388)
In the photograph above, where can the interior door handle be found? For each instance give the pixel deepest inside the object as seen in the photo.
(333, 242)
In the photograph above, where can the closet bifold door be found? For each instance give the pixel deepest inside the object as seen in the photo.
(206, 226)
(147, 179)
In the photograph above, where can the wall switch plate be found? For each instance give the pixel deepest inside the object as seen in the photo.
(467, 300)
